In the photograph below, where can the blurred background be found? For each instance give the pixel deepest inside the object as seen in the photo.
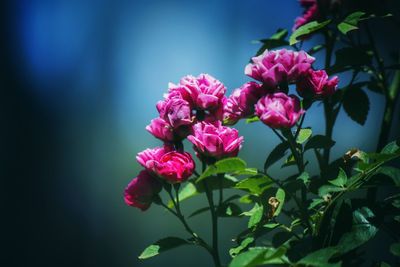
(80, 83)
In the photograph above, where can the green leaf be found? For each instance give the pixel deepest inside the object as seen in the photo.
(276, 40)
(188, 191)
(391, 148)
(227, 165)
(252, 119)
(319, 141)
(276, 154)
(315, 49)
(395, 249)
(303, 136)
(356, 105)
(305, 177)
(320, 258)
(199, 211)
(341, 179)
(362, 231)
(327, 189)
(350, 22)
(260, 256)
(306, 29)
(161, 246)
(315, 202)
(229, 209)
(391, 172)
(280, 195)
(384, 264)
(243, 245)
(256, 185)
(256, 216)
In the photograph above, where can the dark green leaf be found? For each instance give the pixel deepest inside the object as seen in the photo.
(161, 246)
(341, 179)
(356, 105)
(320, 258)
(303, 136)
(395, 249)
(362, 231)
(227, 165)
(276, 40)
(350, 22)
(327, 189)
(260, 256)
(199, 211)
(256, 184)
(391, 172)
(319, 141)
(305, 177)
(229, 209)
(306, 29)
(315, 49)
(315, 203)
(351, 57)
(391, 148)
(243, 245)
(276, 154)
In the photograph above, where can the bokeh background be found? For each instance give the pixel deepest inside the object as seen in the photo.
(79, 86)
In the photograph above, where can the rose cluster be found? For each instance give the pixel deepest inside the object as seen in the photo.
(268, 99)
(191, 109)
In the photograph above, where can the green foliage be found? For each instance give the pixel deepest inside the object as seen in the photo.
(277, 153)
(303, 136)
(256, 185)
(319, 141)
(395, 249)
(255, 214)
(350, 22)
(356, 104)
(276, 40)
(307, 29)
(243, 245)
(252, 119)
(161, 246)
(351, 58)
(341, 180)
(260, 256)
(320, 258)
(280, 196)
(228, 165)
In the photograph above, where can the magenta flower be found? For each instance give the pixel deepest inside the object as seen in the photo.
(310, 14)
(212, 141)
(241, 103)
(279, 110)
(176, 111)
(279, 67)
(161, 129)
(317, 85)
(204, 93)
(168, 164)
(141, 190)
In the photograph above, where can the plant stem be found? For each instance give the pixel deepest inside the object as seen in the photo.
(221, 189)
(214, 221)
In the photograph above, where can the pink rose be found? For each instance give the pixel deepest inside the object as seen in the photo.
(212, 141)
(204, 93)
(310, 14)
(171, 165)
(161, 129)
(241, 103)
(279, 110)
(279, 67)
(176, 111)
(141, 190)
(317, 85)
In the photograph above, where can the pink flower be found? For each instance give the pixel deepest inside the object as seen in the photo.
(279, 110)
(310, 14)
(204, 93)
(317, 85)
(176, 111)
(171, 165)
(141, 190)
(161, 129)
(241, 103)
(279, 67)
(212, 141)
